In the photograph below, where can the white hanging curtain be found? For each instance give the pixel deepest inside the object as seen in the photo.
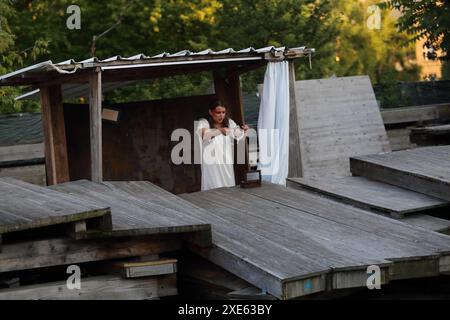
(273, 124)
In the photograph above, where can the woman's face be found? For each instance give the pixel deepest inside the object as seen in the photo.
(218, 114)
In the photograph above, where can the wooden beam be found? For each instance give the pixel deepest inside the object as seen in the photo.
(244, 69)
(56, 159)
(140, 269)
(295, 159)
(414, 114)
(55, 252)
(97, 288)
(95, 107)
(21, 152)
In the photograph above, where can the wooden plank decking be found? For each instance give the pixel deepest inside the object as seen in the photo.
(293, 243)
(138, 210)
(371, 194)
(24, 206)
(425, 170)
(379, 197)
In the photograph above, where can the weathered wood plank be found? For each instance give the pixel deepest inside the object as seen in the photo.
(429, 222)
(139, 208)
(24, 206)
(272, 225)
(97, 288)
(406, 239)
(34, 174)
(416, 114)
(139, 269)
(370, 194)
(95, 107)
(337, 118)
(22, 152)
(295, 158)
(54, 252)
(431, 136)
(55, 135)
(270, 222)
(424, 170)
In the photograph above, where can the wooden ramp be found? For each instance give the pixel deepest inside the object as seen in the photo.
(24, 206)
(140, 208)
(293, 243)
(425, 170)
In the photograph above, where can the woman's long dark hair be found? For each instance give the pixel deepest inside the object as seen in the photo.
(214, 105)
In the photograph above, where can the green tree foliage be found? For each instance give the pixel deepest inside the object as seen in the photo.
(36, 31)
(12, 56)
(369, 43)
(429, 19)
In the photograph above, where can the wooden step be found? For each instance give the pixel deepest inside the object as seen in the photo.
(378, 197)
(139, 269)
(369, 194)
(425, 170)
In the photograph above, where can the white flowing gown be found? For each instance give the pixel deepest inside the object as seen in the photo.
(217, 157)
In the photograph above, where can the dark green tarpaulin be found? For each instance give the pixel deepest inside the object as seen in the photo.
(20, 129)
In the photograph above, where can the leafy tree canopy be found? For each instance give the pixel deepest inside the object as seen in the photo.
(33, 31)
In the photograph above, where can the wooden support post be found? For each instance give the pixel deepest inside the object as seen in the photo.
(220, 86)
(95, 107)
(295, 159)
(76, 228)
(229, 91)
(56, 160)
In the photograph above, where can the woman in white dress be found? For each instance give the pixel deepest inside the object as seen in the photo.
(216, 133)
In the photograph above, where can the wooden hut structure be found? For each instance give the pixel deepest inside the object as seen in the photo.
(79, 145)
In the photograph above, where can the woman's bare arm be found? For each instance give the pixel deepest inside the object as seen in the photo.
(208, 134)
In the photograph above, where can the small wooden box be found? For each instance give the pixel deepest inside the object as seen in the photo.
(252, 179)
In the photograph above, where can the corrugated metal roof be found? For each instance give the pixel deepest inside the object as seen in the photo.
(76, 90)
(183, 57)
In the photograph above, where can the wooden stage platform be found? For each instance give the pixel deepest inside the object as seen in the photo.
(425, 170)
(412, 207)
(293, 243)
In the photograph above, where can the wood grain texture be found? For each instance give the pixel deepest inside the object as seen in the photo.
(34, 174)
(138, 208)
(416, 114)
(22, 152)
(97, 288)
(338, 118)
(55, 252)
(95, 125)
(257, 232)
(24, 206)
(371, 194)
(56, 157)
(425, 170)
